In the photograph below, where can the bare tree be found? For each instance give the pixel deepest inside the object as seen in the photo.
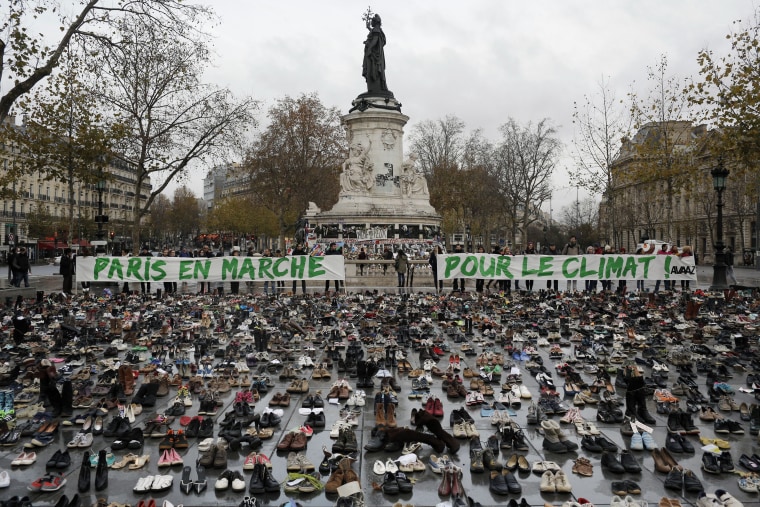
(600, 124)
(526, 158)
(150, 85)
(438, 143)
(27, 57)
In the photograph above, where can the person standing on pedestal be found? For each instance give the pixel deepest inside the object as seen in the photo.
(401, 265)
(362, 257)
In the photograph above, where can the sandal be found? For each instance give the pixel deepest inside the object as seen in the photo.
(126, 460)
(139, 461)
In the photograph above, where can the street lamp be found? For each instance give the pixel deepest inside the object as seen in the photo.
(719, 175)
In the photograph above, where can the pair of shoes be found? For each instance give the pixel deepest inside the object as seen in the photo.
(555, 482)
(199, 485)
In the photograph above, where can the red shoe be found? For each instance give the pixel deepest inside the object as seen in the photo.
(430, 406)
(456, 359)
(451, 359)
(438, 351)
(438, 410)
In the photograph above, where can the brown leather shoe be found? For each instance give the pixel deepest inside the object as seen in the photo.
(285, 400)
(276, 399)
(298, 442)
(286, 441)
(335, 481)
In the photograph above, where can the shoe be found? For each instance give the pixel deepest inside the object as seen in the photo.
(710, 463)
(498, 483)
(726, 462)
(674, 480)
(629, 462)
(691, 483)
(611, 463)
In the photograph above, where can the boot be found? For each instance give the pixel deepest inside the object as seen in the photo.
(390, 415)
(55, 400)
(67, 399)
(422, 418)
(456, 483)
(636, 388)
(379, 414)
(127, 380)
(101, 473)
(361, 370)
(256, 486)
(551, 439)
(84, 473)
(444, 489)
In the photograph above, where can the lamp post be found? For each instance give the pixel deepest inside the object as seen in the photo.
(719, 176)
(100, 219)
(467, 238)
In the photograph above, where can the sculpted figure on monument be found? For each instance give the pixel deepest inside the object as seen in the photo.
(413, 181)
(373, 69)
(357, 170)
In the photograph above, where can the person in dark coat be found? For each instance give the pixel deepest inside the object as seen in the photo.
(67, 269)
(332, 250)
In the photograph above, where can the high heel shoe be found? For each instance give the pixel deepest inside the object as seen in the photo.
(201, 483)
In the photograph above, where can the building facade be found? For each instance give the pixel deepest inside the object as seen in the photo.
(34, 195)
(662, 189)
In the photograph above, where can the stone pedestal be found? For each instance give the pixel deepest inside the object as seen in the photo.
(377, 125)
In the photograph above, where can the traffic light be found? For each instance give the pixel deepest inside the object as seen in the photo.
(112, 235)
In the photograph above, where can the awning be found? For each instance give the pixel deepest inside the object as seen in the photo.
(83, 243)
(50, 245)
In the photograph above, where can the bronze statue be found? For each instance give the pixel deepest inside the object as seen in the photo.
(373, 69)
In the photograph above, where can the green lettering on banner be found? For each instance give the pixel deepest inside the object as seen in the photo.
(265, 264)
(133, 268)
(502, 267)
(201, 268)
(487, 271)
(668, 258)
(544, 266)
(229, 266)
(469, 266)
(101, 263)
(565, 268)
(298, 266)
(645, 262)
(614, 267)
(601, 266)
(158, 269)
(630, 267)
(586, 273)
(185, 270)
(147, 269)
(276, 268)
(247, 269)
(525, 270)
(451, 264)
(116, 268)
(315, 267)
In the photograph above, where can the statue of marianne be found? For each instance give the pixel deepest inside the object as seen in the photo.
(373, 69)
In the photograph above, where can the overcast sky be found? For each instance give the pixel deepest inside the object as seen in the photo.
(481, 60)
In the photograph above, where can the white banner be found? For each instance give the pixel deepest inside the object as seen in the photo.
(566, 267)
(215, 269)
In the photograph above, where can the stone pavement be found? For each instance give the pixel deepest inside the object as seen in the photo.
(596, 488)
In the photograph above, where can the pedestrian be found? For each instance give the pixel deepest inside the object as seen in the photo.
(458, 285)
(480, 282)
(361, 257)
(67, 270)
(433, 261)
(401, 264)
(552, 284)
(662, 251)
(686, 252)
(268, 253)
(333, 250)
(572, 248)
(279, 283)
(529, 250)
(235, 285)
(300, 249)
(21, 268)
(145, 286)
(728, 256)
(387, 256)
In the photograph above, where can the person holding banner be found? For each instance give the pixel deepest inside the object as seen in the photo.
(145, 253)
(662, 251)
(529, 250)
(572, 248)
(552, 250)
(300, 249)
(433, 260)
(479, 282)
(685, 252)
(457, 281)
(235, 286)
(332, 250)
